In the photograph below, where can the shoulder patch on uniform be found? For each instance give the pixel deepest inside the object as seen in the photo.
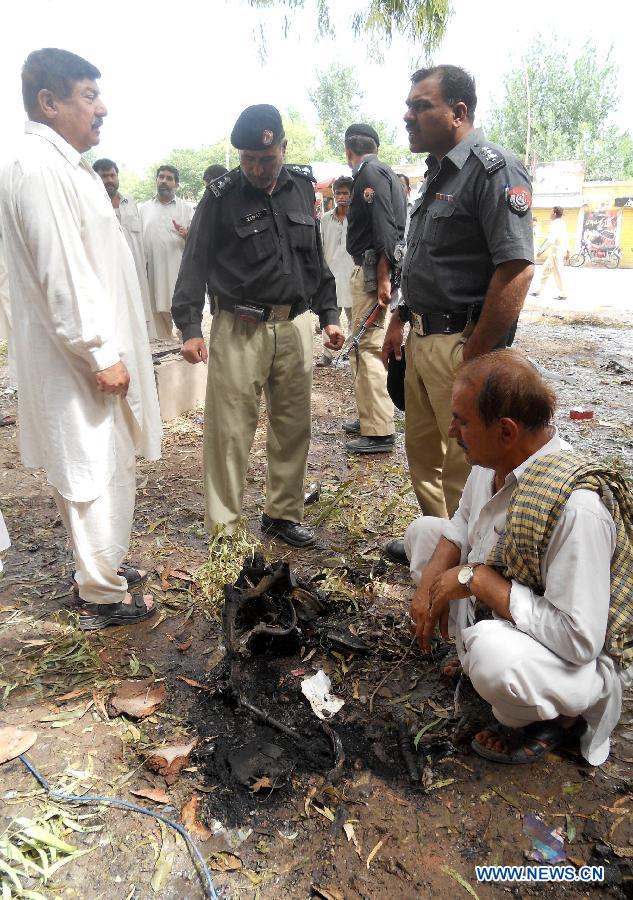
(222, 184)
(304, 171)
(519, 199)
(369, 194)
(490, 159)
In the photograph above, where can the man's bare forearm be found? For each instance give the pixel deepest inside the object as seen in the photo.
(503, 302)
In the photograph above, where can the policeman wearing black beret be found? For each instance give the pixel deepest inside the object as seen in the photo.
(255, 247)
(376, 220)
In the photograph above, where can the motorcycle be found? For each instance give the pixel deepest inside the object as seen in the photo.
(588, 252)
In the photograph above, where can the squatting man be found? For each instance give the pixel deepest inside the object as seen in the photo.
(533, 575)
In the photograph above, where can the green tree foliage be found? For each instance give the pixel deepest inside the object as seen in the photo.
(338, 100)
(421, 21)
(301, 139)
(558, 107)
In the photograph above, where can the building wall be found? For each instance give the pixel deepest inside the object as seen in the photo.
(596, 194)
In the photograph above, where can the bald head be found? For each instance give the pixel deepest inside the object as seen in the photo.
(508, 386)
(502, 410)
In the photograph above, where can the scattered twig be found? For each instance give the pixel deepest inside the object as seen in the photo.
(389, 674)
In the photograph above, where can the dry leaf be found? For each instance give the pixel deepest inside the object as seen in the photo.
(182, 574)
(179, 574)
(327, 893)
(189, 818)
(224, 862)
(192, 682)
(158, 795)
(72, 695)
(350, 834)
(170, 761)
(325, 811)
(137, 699)
(374, 852)
(263, 782)
(14, 741)
(454, 874)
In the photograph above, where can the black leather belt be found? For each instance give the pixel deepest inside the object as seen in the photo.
(444, 323)
(268, 309)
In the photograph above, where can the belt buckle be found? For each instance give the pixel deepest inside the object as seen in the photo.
(417, 323)
(279, 313)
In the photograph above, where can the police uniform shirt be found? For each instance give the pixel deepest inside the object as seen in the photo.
(376, 215)
(252, 247)
(473, 214)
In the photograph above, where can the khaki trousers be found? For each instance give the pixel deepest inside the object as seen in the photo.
(375, 409)
(553, 265)
(437, 465)
(244, 360)
(99, 530)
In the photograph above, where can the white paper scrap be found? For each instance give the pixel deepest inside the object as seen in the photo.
(317, 690)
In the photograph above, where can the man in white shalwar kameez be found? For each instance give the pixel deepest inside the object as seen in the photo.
(541, 660)
(166, 219)
(87, 399)
(5, 542)
(5, 316)
(127, 212)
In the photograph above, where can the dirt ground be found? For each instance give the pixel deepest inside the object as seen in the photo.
(378, 831)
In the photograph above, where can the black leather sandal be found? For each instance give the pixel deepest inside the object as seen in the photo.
(94, 616)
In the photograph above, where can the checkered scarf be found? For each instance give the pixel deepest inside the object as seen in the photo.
(535, 507)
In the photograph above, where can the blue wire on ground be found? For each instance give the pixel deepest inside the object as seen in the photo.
(207, 881)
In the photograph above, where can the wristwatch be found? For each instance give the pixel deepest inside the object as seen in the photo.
(466, 574)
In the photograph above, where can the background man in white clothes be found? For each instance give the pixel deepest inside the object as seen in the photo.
(556, 249)
(166, 219)
(341, 264)
(87, 399)
(127, 212)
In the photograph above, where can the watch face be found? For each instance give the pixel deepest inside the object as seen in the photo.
(464, 574)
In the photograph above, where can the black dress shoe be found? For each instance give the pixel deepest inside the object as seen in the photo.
(352, 427)
(394, 551)
(372, 444)
(290, 532)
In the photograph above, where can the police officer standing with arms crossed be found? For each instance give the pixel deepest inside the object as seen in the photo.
(465, 277)
(254, 243)
(375, 228)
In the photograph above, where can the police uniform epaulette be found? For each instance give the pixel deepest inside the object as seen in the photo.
(222, 184)
(490, 158)
(304, 171)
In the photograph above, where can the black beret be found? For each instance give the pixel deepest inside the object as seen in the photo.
(360, 130)
(257, 128)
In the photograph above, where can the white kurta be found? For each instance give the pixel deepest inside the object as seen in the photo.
(334, 237)
(163, 247)
(5, 543)
(76, 309)
(130, 218)
(5, 316)
(568, 673)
